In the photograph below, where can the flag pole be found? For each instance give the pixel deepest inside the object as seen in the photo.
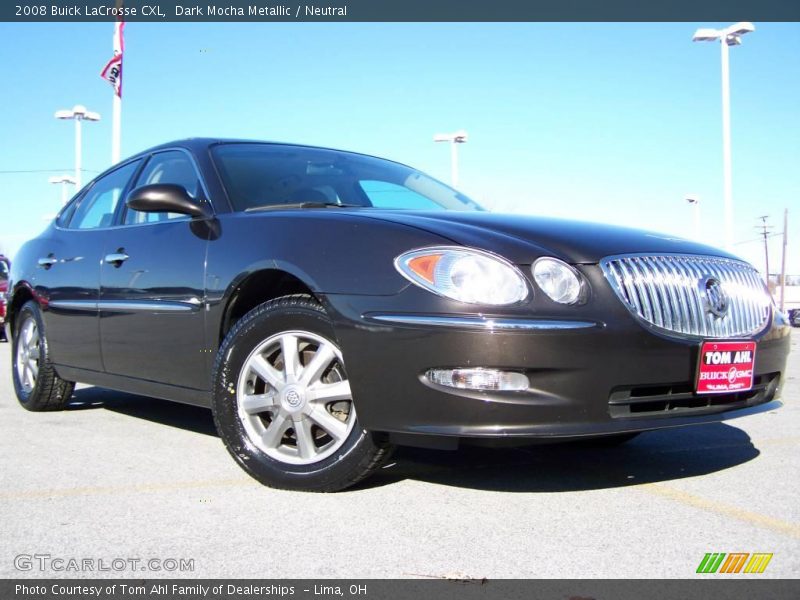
(116, 119)
(116, 125)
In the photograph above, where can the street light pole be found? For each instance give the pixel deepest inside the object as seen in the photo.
(64, 180)
(727, 181)
(729, 36)
(78, 151)
(454, 163)
(78, 113)
(695, 202)
(459, 137)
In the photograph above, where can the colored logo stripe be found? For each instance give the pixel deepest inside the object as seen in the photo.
(758, 563)
(734, 563)
(710, 562)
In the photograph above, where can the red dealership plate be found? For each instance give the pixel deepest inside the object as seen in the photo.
(726, 367)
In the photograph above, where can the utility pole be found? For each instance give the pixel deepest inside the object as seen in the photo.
(765, 234)
(783, 258)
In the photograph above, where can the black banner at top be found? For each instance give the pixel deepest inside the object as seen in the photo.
(398, 10)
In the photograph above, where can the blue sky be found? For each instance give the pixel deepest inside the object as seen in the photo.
(608, 122)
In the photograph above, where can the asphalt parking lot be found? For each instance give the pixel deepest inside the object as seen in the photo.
(120, 476)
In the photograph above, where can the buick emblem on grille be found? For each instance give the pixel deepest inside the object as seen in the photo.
(716, 300)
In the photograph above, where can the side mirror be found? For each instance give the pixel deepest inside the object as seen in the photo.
(166, 197)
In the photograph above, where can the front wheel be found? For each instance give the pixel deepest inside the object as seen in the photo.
(282, 401)
(36, 383)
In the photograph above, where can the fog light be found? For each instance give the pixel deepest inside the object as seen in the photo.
(478, 379)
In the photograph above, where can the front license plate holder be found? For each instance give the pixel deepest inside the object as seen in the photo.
(725, 367)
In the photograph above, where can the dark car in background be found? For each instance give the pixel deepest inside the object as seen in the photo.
(4, 270)
(329, 305)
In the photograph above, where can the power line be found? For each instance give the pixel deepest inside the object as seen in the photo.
(758, 239)
(44, 171)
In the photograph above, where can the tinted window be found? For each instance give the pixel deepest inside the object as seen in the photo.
(268, 174)
(165, 167)
(382, 194)
(3, 270)
(66, 214)
(96, 208)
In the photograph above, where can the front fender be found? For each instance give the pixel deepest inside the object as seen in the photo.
(332, 253)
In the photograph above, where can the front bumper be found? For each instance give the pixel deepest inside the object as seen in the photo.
(592, 371)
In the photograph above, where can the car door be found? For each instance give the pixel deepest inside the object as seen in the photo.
(68, 274)
(152, 322)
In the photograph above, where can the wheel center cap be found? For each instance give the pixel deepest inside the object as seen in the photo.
(293, 399)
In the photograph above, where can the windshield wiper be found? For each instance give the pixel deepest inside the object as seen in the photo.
(301, 205)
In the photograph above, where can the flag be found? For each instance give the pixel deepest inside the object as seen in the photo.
(112, 72)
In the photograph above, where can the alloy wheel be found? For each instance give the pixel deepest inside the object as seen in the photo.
(294, 399)
(28, 354)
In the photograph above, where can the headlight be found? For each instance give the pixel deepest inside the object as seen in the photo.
(558, 280)
(464, 274)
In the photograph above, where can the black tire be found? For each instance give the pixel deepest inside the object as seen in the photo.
(356, 453)
(46, 391)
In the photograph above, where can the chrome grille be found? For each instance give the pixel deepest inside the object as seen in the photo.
(668, 292)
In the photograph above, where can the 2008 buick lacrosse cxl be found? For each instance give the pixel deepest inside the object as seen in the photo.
(328, 305)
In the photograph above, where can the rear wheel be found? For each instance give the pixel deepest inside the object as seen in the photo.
(36, 383)
(282, 400)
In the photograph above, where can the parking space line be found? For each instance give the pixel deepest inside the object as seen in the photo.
(720, 508)
(782, 441)
(150, 487)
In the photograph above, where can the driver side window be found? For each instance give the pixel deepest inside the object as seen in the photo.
(165, 167)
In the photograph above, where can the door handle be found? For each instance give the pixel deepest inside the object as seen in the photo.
(47, 261)
(117, 258)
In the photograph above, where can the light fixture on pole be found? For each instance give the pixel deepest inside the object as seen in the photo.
(77, 113)
(64, 180)
(729, 36)
(695, 202)
(459, 137)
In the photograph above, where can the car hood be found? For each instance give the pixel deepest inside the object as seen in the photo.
(525, 238)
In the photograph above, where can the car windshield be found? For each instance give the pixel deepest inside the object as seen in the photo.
(266, 175)
(3, 270)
